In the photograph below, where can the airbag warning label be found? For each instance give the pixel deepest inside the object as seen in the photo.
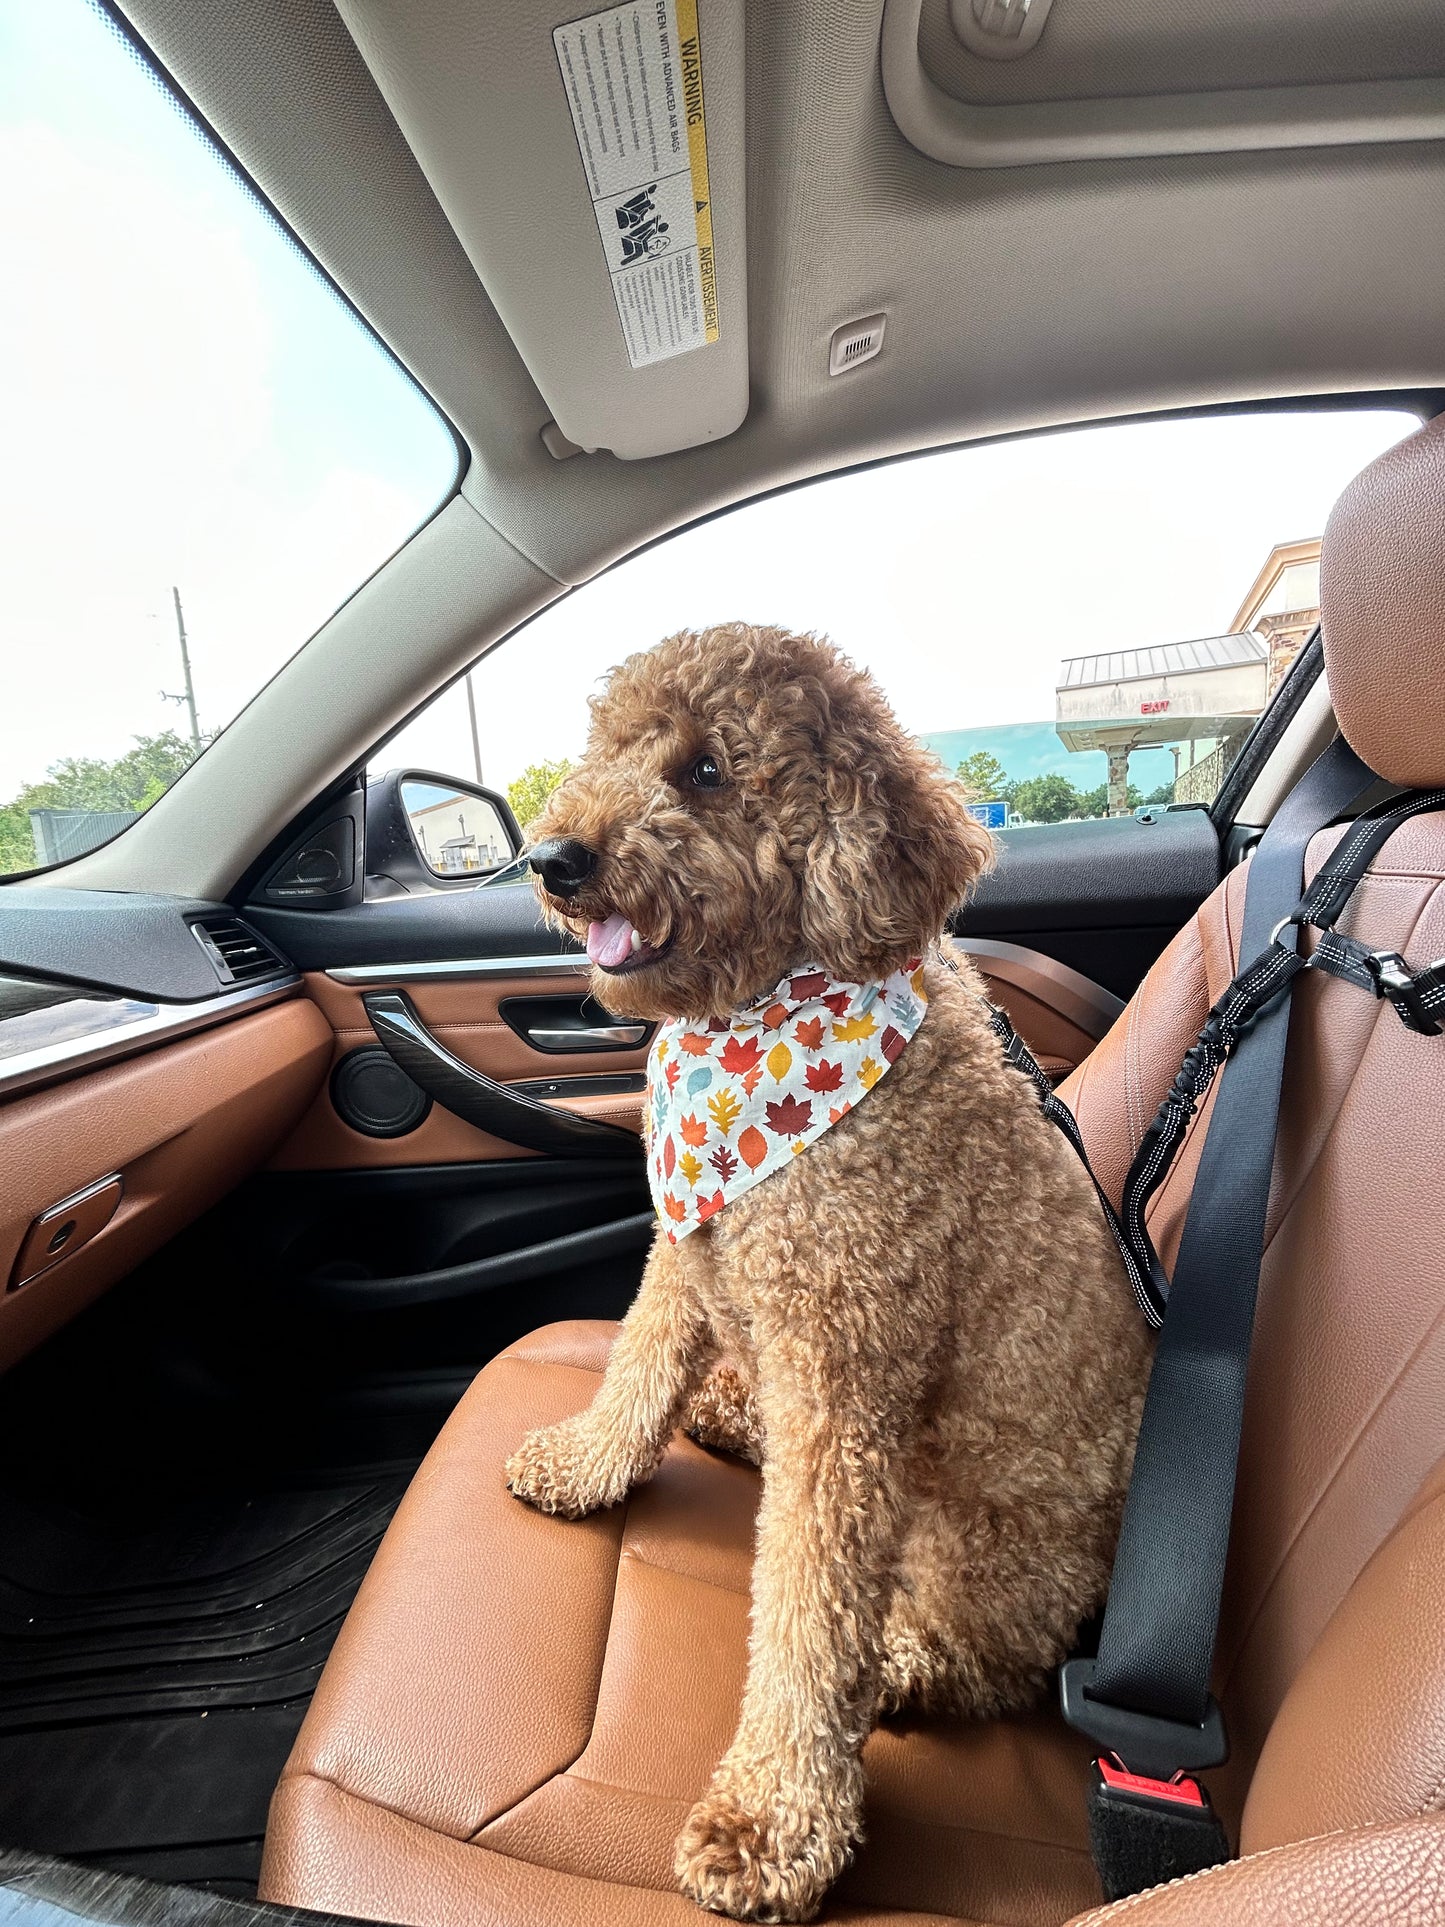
(634, 83)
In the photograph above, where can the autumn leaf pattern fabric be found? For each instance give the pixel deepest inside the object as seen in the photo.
(730, 1102)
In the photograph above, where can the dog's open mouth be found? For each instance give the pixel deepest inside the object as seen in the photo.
(616, 947)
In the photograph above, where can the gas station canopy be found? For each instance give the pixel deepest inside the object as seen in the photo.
(1167, 694)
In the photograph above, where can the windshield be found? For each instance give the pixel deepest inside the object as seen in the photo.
(205, 450)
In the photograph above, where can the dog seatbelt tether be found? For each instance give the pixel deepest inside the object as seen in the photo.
(1145, 1700)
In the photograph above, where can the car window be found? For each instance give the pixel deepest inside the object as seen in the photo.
(205, 450)
(1080, 622)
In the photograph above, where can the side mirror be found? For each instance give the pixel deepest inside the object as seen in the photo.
(426, 831)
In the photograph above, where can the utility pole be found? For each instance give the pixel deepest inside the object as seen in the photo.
(472, 714)
(189, 699)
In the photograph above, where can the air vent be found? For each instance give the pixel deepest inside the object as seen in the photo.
(239, 955)
(855, 343)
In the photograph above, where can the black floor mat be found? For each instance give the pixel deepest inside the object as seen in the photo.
(154, 1670)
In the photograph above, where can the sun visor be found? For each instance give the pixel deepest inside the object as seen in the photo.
(593, 169)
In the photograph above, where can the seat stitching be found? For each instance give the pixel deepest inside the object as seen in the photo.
(1121, 1907)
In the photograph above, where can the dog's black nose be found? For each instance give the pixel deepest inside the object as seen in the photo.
(563, 864)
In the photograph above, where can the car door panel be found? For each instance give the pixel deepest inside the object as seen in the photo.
(1103, 897)
(452, 1239)
(464, 1015)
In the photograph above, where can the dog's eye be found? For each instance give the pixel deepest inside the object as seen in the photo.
(705, 774)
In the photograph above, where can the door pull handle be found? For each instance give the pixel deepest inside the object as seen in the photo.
(585, 1037)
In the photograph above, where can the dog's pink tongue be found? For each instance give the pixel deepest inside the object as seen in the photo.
(610, 943)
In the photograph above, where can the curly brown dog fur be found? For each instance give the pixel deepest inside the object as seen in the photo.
(920, 1328)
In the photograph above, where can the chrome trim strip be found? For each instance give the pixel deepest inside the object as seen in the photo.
(571, 964)
(579, 1040)
(50, 1062)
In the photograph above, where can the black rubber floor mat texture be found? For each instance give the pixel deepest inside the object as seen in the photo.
(153, 1671)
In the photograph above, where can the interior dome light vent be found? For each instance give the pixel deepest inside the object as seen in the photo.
(855, 342)
(237, 953)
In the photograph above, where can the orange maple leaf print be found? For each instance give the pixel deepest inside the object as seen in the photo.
(693, 1130)
(675, 1208)
(694, 1045)
(739, 1054)
(707, 1206)
(809, 1033)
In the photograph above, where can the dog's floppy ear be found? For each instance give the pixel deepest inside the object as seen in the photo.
(896, 851)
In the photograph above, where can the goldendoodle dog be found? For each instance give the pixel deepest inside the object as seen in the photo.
(880, 1272)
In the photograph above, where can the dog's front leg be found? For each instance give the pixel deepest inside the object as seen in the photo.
(778, 1821)
(662, 1352)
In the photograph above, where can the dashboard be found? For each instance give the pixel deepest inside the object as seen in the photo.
(152, 1052)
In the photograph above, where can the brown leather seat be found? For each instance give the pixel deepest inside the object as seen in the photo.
(519, 1710)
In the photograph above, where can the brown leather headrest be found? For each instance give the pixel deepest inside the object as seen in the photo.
(1382, 610)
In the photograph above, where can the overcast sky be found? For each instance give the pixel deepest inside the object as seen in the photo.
(186, 401)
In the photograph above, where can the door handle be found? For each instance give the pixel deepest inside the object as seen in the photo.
(557, 1025)
(500, 1109)
(587, 1036)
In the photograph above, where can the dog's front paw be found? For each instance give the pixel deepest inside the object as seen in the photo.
(566, 1469)
(775, 1864)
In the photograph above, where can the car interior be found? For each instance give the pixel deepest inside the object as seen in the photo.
(320, 1168)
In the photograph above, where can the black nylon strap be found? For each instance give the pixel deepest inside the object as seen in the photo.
(1156, 1646)
(1355, 852)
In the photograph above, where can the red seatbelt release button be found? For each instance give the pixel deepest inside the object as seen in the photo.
(1179, 1791)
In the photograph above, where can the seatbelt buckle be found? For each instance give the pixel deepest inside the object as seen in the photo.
(1144, 1831)
(1146, 1744)
(1149, 1819)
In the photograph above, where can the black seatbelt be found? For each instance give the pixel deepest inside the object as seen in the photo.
(1145, 1700)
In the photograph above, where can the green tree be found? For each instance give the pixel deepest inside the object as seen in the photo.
(1095, 802)
(130, 782)
(1047, 799)
(528, 795)
(985, 778)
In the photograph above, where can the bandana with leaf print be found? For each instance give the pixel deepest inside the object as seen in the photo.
(733, 1101)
